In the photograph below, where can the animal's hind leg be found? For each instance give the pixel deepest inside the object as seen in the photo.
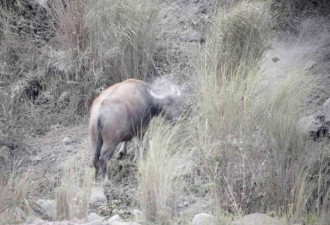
(122, 151)
(139, 151)
(106, 154)
(96, 164)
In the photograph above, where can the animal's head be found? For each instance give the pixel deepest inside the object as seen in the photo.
(169, 103)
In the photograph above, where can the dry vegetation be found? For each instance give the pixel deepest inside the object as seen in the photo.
(241, 140)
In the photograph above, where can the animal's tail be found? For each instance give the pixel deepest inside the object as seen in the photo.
(95, 140)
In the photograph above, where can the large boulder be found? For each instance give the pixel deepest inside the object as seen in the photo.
(258, 219)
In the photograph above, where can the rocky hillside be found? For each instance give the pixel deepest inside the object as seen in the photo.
(255, 134)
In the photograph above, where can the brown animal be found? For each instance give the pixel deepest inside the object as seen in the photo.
(122, 112)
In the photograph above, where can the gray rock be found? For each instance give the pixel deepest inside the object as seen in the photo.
(38, 221)
(194, 36)
(55, 127)
(314, 126)
(93, 217)
(309, 124)
(115, 218)
(67, 141)
(98, 197)
(45, 97)
(121, 212)
(137, 212)
(45, 208)
(326, 110)
(64, 97)
(125, 223)
(95, 222)
(257, 219)
(183, 204)
(204, 219)
(37, 158)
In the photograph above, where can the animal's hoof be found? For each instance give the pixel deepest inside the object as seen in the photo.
(120, 155)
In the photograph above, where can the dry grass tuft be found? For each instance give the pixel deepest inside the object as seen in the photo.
(72, 197)
(161, 173)
(14, 206)
(251, 148)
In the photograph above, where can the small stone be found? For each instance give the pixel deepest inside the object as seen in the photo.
(45, 97)
(105, 212)
(115, 218)
(204, 219)
(98, 197)
(194, 36)
(124, 223)
(67, 141)
(45, 208)
(121, 212)
(137, 212)
(55, 127)
(37, 158)
(38, 221)
(94, 217)
(64, 97)
(183, 204)
(257, 219)
(115, 202)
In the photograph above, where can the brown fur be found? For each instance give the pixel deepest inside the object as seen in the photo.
(120, 112)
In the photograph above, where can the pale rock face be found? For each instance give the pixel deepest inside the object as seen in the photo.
(257, 219)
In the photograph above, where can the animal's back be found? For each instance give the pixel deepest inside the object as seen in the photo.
(130, 93)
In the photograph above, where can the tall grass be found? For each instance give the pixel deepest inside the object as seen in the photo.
(72, 196)
(108, 41)
(82, 46)
(161, 173)
(14, 206)
(251, 148)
